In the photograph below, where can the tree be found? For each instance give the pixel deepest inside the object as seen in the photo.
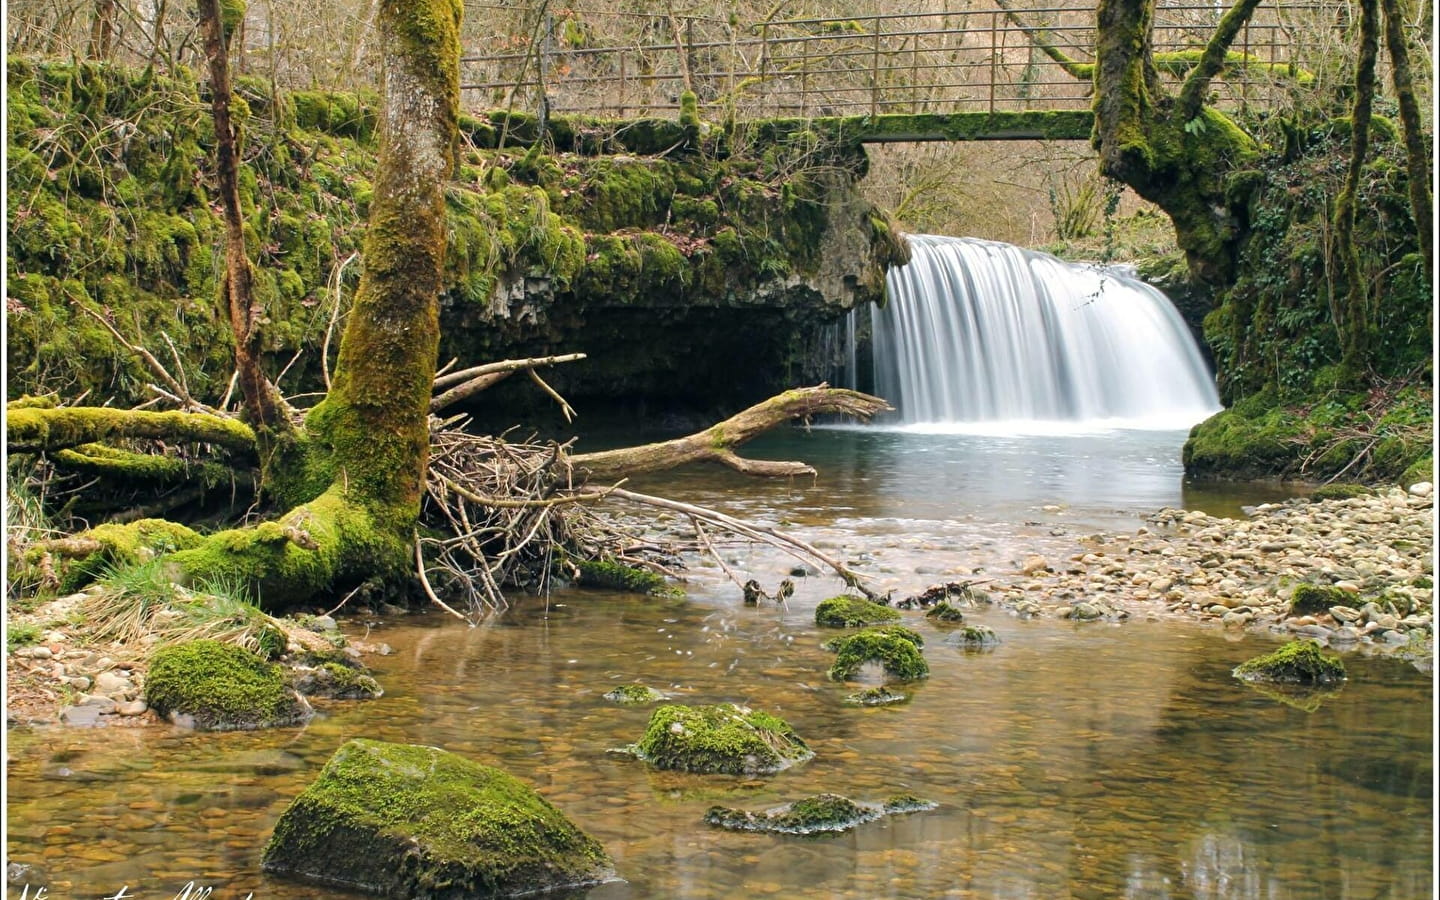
(350, 475)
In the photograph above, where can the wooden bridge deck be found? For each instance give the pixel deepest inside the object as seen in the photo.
(974, 74)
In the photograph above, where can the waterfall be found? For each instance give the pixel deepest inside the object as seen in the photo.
(978, 333)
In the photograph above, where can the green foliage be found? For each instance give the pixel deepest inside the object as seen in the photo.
(406, 820)
(223, 687)
(20, 634)
(847, 611)
(1299, 662)
(725, 738)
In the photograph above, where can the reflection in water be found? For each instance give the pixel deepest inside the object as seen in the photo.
(1071, 762)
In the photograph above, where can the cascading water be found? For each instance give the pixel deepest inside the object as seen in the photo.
(978, 333)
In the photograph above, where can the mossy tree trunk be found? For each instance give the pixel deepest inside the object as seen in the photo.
(1354, 317)
(1173, 150)
(1416, 156)
(352, 476)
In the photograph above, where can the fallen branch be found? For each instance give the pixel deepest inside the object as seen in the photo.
(468, 382)
(716, 443)
(32, 429)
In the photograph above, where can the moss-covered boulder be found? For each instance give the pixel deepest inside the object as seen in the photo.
(1310, 599)
(1298, 662)
(633, 694)
(846, 611)
(419, 822)
(973, 637)
(943, 613)
(726, 738)
(895, 648)
(220, 687)
(814, 815)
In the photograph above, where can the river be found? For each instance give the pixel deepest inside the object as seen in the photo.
(1073, 760)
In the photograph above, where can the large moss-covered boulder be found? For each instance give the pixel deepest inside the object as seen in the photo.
(1298, 662)
(220, 687)
(406, 821)
(725, 738)
(846, 611)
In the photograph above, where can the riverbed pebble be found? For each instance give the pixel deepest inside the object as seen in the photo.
(1375, 547)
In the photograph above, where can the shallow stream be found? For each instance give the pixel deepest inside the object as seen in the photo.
(1073, 760)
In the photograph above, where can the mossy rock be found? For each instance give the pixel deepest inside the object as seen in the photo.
(973, 637)
(1339, 491)
(822, 813)
(896, 649)
(619, 577)
(846, 611)
(1310, 599)
(221, 687)
(337, 682)
(634, 694)
(943, 613)
(1298, 662)
(726, 738)
(402, 820)
(876, 696)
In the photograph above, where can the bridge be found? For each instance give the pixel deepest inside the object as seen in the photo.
(968, 74)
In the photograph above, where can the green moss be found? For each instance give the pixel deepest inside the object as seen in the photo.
(633, 694)
(1299, 662)
(1339, 490)
(412, 821)
(945, 614)
(822, 813)
(1311, 599)
(876, 696)
(619, 577)
(846, 611)
(973, 637)
(898, 653)
(727, 739)
(221, 686)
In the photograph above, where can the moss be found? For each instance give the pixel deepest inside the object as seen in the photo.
(337, 681)
(974, 637)
(1300, 662)
(944, 614)
(846, 611)
(221, 687)
(633, 694)
(726, 739)
(410, 821)
(876, 696)
(1310, 599)
(619, 577)
(1339, 490)
(898, 653)
(819, 814)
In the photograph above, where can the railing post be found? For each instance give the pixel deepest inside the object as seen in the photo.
(875, 73)
(622, 83)
(804, 76)
(994, 60)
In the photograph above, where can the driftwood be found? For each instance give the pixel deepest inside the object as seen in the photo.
(717, 443)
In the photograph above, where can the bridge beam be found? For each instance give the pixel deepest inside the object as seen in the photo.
(1032, 125)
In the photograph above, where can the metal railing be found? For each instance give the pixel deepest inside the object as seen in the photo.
(974, 60)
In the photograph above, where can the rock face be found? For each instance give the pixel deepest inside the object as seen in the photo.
(419, 822)
(726, 738)
(221, 687)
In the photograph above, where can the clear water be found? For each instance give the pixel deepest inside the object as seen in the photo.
(1084, 761)
(983, 332)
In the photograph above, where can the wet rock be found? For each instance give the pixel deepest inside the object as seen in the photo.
(814, 815)
(845, 611)
(973, 637)
(1345, 614)
(895, 648)
(336, 681)
(634, 694)
(1300, 662)
(112, 683)
(408, 821)
(726, 738)
(876, 696)
(221, 687)
(1033, 565)
(132, 708)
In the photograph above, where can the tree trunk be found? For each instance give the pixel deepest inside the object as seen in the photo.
(1355, 318)
(1416, 159)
